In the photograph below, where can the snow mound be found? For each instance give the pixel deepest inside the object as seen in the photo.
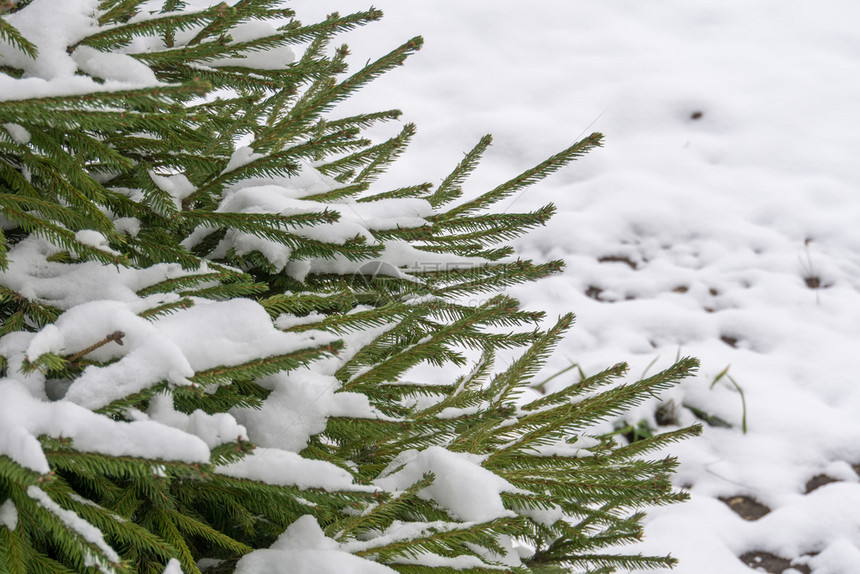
(304, 549)
(461, 486)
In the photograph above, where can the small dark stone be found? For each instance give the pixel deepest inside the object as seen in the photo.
(680, 289)
(730, 341)
(818, 481)
(813, 282)
(771, 563)
(713, 292)
(697, 115)
(746, 507)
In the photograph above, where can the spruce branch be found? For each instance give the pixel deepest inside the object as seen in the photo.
(449, 189)
(115, 11)
(121, 34)
(261, 367)
(11, 35)
(528, 177)
(420, 190)
(333, 24)
(328, 93)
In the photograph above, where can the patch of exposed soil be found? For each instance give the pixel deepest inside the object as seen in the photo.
(818, 481)
(618, 259)
(746, 507)
(594, 292)
(771, 563)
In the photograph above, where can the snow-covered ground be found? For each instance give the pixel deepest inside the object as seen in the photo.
(720, 221)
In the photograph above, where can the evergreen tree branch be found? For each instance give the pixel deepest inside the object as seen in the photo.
(11, 35)
(526, 178)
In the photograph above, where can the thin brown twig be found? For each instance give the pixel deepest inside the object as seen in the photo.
(115, 337)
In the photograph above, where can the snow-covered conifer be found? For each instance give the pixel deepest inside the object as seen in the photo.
(212, 317)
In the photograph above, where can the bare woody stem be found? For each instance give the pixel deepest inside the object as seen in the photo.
(115, 337)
